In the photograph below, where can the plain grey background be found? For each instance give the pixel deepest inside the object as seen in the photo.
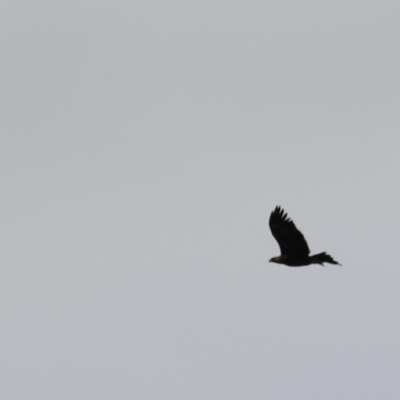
(143, 147)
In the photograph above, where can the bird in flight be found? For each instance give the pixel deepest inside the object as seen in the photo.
(294, 248)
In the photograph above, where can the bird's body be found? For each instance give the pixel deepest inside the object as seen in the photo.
(293, 245)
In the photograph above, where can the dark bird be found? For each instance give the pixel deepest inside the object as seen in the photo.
(294, 248)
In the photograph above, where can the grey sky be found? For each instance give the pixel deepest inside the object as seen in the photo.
(143, 147)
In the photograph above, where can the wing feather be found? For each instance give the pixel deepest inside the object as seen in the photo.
(291, 241)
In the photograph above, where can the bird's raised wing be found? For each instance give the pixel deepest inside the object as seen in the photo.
(291, 241)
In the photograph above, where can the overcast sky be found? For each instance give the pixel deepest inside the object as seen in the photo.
(142, 149)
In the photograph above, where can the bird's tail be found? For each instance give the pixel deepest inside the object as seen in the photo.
(323, 257)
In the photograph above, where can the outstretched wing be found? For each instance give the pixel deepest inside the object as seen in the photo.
(291, 241)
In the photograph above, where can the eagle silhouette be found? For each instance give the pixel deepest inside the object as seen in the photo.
(294, 248)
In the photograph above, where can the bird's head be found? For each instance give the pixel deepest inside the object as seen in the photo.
(276, 260)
